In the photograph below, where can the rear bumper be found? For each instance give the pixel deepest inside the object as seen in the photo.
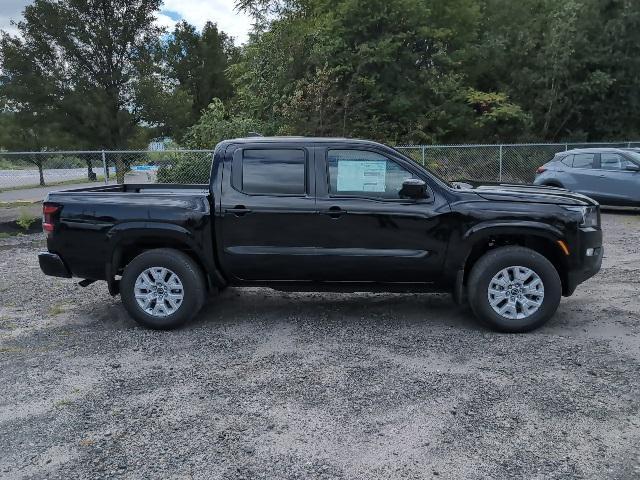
(52, 265)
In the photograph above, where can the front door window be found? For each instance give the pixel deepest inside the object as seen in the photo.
(362, 173)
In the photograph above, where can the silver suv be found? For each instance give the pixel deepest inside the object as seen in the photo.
(609, 175)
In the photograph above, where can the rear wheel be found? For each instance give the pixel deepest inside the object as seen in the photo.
(162, 288)
(514, 289)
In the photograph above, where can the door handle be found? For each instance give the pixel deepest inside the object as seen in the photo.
(334, 212)
(238, 210)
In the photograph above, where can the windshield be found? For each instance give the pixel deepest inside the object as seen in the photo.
(635, 156)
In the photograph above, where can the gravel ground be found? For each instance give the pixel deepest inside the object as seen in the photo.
(267, 385)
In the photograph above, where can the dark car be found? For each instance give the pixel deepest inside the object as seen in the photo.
(609, 175)
(315, 214)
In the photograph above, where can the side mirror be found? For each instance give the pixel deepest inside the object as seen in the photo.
(633, 168)
(414, 188)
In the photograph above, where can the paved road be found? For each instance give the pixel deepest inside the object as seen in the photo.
(17, 178)
(38, 193)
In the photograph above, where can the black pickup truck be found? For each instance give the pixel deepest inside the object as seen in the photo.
(319, 214)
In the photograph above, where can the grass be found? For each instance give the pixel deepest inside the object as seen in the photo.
(5, 235)
(57, 309)
(74, 181)
(26, 219)
(6, 165)
(10, 350)
(19, 203)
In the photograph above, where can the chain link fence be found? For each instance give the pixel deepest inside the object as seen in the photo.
(19, 170)
(509, 163)
(513, 163)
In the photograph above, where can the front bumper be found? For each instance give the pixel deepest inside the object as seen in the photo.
(52, 265)
(587, 265)
(591, 267)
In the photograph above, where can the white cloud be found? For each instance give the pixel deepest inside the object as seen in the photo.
(165, 21)
(11, 10)
(199, 12)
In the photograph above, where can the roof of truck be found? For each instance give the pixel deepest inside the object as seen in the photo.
(288, 139)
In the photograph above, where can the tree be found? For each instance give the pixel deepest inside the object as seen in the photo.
(570, 65)
(198, 62)
(26, 132)
(79, 61)
(383, 69)
(494, 117)
(217, 124)
(190, 71)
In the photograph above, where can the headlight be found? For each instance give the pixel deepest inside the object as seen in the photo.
(590, 216)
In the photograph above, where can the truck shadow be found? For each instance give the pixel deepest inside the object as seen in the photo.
(265, 306)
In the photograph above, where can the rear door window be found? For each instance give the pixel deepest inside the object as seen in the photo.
(273, 172)
(583, 160)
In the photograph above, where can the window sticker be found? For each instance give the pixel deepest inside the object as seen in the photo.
(362, 175)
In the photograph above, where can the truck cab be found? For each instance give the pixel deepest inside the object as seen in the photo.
(327, 211)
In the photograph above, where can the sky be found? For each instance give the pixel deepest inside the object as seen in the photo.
(196, 12)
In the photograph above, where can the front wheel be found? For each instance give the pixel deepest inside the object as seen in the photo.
(162, 288)
(514, 289)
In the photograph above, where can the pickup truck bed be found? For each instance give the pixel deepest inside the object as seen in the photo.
(110, 224)
(325, 214)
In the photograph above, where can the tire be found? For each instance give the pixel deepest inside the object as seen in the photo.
(165, 312)
(531, 310)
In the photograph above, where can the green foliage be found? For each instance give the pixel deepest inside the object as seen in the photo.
(416, 71)
(494, 117)
(185, 169)
(198, 61)
(383, 69)
(12, 164)
(166, 109)
(76, 64)
(99, 74)
(25, 219)
(181, 167)
(217, 124)
(190, 73)
(24, 130)
(567, 64)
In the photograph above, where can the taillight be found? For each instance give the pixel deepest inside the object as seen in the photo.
(541, 170)
(48, 217)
